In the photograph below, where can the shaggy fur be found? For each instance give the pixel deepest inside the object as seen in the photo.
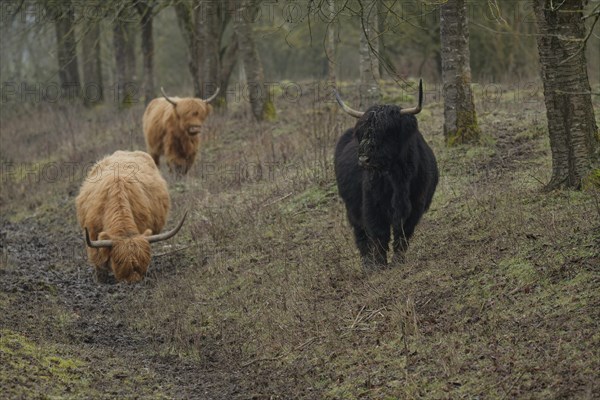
(386, 175)
(174, 130)
(124, 199)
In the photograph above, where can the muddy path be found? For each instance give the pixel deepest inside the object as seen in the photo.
(53, 298)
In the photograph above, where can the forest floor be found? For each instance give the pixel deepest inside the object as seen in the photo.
(262, 295)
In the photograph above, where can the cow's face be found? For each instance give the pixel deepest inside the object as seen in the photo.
(375, 134)
(380, 133)
(130, 257)
(191, 114)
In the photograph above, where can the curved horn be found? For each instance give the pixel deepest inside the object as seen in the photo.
(417, 109)
(211, 98)
(354, 113)
(97, 244)
(167, 97)
(169, 234)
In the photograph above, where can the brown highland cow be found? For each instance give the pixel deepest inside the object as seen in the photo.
(123, 205)
(171, 127)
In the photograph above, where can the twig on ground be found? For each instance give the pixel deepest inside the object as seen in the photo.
(276, 200)
(513, 385)
(247, 364)
(299, 347)
(356, 320)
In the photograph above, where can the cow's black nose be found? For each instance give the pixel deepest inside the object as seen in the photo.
(363, 159)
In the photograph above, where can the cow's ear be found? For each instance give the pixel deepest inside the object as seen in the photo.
(209, 109)
(147, 232)
(103, 236)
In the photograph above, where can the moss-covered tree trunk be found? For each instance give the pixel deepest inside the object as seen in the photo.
(571, 124)
(260, 98)
(92, 64)
(460, 119)
(369, 57)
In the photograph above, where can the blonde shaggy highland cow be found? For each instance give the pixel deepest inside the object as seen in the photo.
(171, 127)
(123, 205)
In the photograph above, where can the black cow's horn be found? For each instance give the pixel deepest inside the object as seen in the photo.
(211, 98)
(167, 97)
(97, 244)
(417, 109)
(169, 234)
(354, 113)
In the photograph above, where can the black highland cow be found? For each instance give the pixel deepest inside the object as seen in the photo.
(386, 175)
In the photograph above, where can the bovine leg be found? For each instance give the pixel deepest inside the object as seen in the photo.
(400, 246)
(361, 238)
(378, 232)
(402, 234)
(378, 251)
(362, 241)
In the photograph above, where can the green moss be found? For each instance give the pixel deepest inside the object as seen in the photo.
(312, 198)
(520, 270)
(592, 181)
(30, 369)
(479, 153)
(220, 103)
(468, 131)
(404, 95)
(278, 90)
(269, 111)
(40, 370)
(128, 101)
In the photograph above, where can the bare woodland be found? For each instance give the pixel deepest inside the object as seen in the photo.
(264, 292)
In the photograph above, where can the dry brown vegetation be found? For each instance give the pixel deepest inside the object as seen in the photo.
(263, 295)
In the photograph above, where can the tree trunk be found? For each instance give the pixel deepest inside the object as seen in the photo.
(210, 41)
(260, 101)
(17, 47)
(203, 27)
(460, 120)
(369, 61)
(572, 127)
(227, 53)
(124, 44)
(119, 48)
(68, 70)
(92, 65)
(130, 61)
(382, 12)
(228, 62)
(191, 34)
(145, 10)
(330, 43)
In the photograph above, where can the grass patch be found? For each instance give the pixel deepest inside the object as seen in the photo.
(28, 367)
(497, 299)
